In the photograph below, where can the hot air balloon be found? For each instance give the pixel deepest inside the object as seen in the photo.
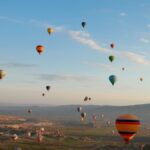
(29, 111)
(113, 132)
(39, 138)
(14, 137)
(141, 79)
(108, 123)
(102, 116)
(2, 74)
(48, 87)
(50, 30)
(123, 68)
(79, 109)
(28, 134)
(127, 126)
(142, 146)
(81, 119)
(83, 115)
(94, 118)
(83, 24)
(89, 98)
(42, 129)
(112, 79)
(86, 98)
(39, 49)
(112, 45)
(111, 58)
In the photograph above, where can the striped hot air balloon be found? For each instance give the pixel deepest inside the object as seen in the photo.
(127, 126)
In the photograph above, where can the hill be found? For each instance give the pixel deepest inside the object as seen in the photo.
(69, 112)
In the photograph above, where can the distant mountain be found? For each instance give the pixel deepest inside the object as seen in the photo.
(69, 112)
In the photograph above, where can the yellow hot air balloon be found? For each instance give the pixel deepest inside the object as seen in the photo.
(50, 30)
(127, 126)
(2, 74)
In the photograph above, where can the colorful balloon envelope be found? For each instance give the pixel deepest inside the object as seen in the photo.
(2, 74)
(50, 30)
(94, 117)
(111, 58)
(48, 87)
(86, 98)
(79, 109)
(113, 132)
(39, 49)
(113, 79)
(83, 24)
(112, 45)
(89, 98)
(29, 111)
(39, 138)
(83, 115)
(141, 79)
(123, 68)
(127, 126)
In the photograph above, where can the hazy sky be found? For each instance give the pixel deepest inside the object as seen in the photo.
(75, 61)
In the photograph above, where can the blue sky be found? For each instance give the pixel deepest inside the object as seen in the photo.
(75, 61)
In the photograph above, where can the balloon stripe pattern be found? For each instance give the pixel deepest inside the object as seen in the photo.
(127, 126)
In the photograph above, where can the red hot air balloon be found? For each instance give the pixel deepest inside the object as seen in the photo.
(112, 45)
(39, 49)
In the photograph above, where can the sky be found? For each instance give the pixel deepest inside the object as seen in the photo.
(75, 60)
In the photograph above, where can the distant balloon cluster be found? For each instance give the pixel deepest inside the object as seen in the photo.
(87, 98)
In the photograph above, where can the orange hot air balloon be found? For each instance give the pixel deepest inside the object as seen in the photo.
(127, 126)
(112, 45)
(39, 49)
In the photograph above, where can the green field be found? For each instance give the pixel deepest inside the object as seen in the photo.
(76, 138)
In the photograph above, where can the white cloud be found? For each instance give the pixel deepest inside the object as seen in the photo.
(140, 59)
(99, 65)
(46, 25)
(123, 14)
(33, 22)
(85, 39)
(10, 19)
(144, 40)
(18, 65)
(62, 77)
